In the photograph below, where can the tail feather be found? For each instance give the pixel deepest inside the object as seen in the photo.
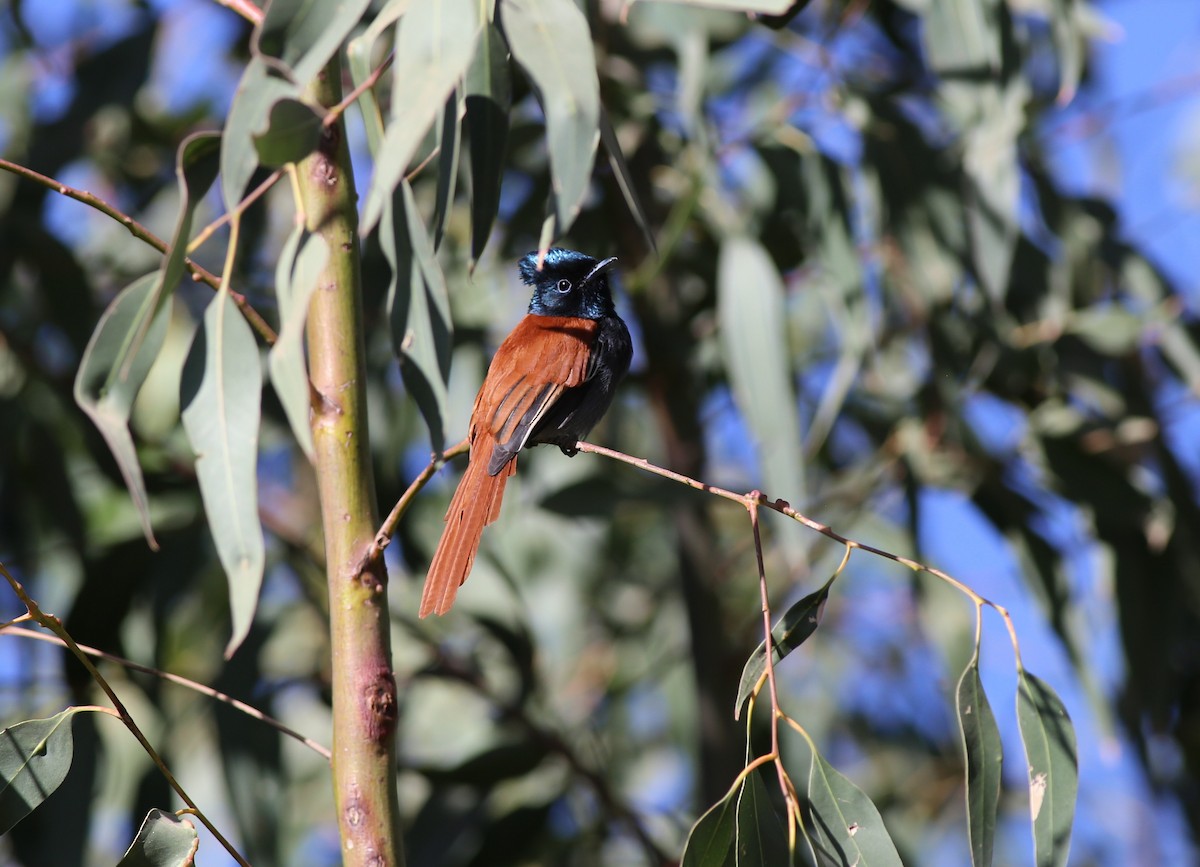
(476, 504)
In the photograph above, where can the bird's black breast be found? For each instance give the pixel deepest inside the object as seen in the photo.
(576, 412)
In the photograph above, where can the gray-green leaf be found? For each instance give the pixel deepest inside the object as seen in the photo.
(709, 840)
(300, 36)
(164, 840)
(107, 395)
(300, 264)
(1049, 739)
(551, 42)
(35, 756)
(983, 754)
(434, 44)
(293, 132)
(793, 629)
(221, 400)
(845, 826)
(259, 90)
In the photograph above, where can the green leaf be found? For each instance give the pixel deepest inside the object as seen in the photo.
(300, 36)
(434, 44)
(551, 42)
(793, 629)
(983, 753)
(1049, 740)
(962, 39)
(293, 132)
(1070, 44)
(620, 168)
(488, 100)
(752, 320)
(761, 837)
(492, 766)
(845, 825)
(221, 401)
(993, 183)
(358, 53)
(708, 843)
(770, 7)
(1108, 329)
(259, 90)
(164, 840)
(300, 264)
(449, 141)
(418, 310)
(106, 395)
(35, 756)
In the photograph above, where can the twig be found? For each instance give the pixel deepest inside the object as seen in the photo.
(249, 710)
(199, 273)
(55, 625)
(334, 113)
(220, 221)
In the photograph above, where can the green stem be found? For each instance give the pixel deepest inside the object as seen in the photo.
(364, 689)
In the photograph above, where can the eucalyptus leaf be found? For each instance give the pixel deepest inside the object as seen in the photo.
(488, 100)
(708, 843)
(624, 179)
(448, 142)
(259, 89)
(106, 395)
(300, 264)
(761, 839)
(983, 753)
(551, 42)
(35, 756)
(220, 396)
(793, 629)
(751, 311)
(435, 42)
(164, 840)
(299, 37)
(293, 132)
(1049, 739)
(845, 825)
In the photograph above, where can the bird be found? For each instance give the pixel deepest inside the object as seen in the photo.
(549, 382)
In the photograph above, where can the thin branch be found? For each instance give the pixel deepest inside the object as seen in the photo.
(179, 680)
(55, 625)
(255, 195)
(199, 273)
(334, 113)
(384, 536)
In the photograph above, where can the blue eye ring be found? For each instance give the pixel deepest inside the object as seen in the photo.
(563, 286)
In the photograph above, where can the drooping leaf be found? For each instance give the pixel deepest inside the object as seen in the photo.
(761, 839)
(164, 840)
(196, 165)
(359, 55)
(293, 132)
(1049, 739)
(551, 42)
(845, 825)
(259, 89)
(418, 309)
(221, 403)
(983, 754)
(106, 395)
(449, 141)
(708, 843)
(620, 169)
(488, 100)
(1070, 46)
(751, 311)
(35, 756)
(434, 44)
(993, 184)
(300, 264)
(300, 36)
(793, 629)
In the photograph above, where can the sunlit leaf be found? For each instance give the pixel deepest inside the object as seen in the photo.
(845, 825)
(293, 132)
(751, 311)
(962, 39)
(220, 398)
(551, 42)
(770, 7)
(418, 309)
(106, 395)
(435, 42)
(359, 56)
(164, 840)
(1109, 329)
(488, 100)
(300, 264)
(300, 36)
(708, 843)
(993, 183)
(35, 756)
(259, 89)
(983, 753)
(1049, 739)
(797, 624)
(1070, 46)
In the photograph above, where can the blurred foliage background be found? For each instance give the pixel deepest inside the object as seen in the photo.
(877, 293)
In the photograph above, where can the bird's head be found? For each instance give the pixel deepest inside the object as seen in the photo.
(568, 284)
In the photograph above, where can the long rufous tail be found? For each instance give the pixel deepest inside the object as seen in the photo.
(476, 504)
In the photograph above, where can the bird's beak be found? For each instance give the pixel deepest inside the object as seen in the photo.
(600, 268)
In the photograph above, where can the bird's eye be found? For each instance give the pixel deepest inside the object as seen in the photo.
(564, 286)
